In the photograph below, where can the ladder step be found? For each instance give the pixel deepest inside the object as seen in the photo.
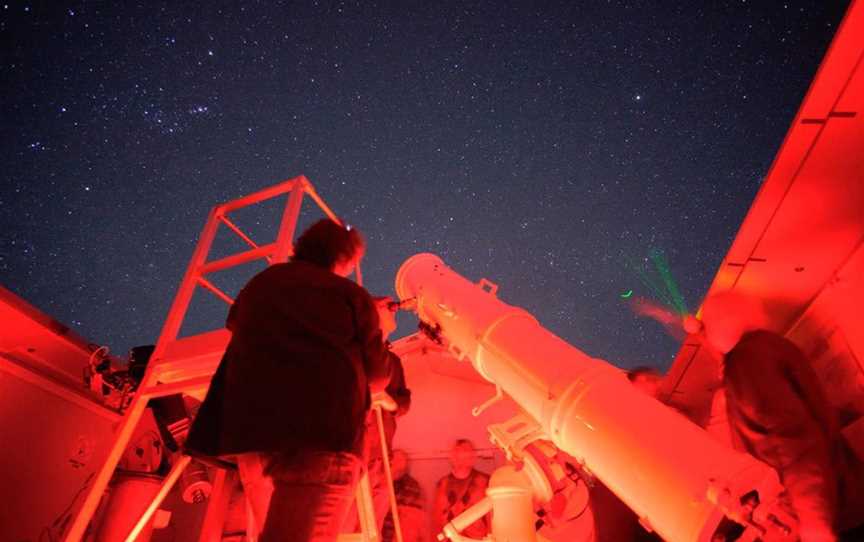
(192, 386)
(191, 357)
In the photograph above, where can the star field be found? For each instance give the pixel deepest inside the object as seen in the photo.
(541, 148)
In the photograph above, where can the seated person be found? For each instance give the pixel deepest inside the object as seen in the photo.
(410, 501)
(459, 490)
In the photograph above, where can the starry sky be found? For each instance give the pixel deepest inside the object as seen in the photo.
(551, 147)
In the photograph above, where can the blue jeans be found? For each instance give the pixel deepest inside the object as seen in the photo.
(312, 493)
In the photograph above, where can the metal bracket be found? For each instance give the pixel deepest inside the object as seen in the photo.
(513, 435)
(457, 352)
(488, 286)
(476, 411)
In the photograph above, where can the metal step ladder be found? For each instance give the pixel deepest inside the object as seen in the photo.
(186, 365)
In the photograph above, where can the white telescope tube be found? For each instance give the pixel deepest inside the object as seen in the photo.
(668, 470)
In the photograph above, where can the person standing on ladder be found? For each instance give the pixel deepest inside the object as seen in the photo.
(291, 394)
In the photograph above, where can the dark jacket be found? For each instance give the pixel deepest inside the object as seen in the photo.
(779, 413)
(305, 347)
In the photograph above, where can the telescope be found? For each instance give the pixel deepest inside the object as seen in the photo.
(680, 481)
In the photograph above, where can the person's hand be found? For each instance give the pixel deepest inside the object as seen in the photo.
(409, 304)
(383, 400)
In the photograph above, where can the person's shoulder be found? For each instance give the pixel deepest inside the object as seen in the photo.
(321, 275)
(291, 270)
(266, 278)
(347, 286)
(763, 348)
(410, 481)
(275, 269)
(761, 335)
(479, 475)
(412, 491)
(354, 289)
(762, 338)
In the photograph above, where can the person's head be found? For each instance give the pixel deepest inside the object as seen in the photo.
(463, 456)
(330, 245)
(729, 315)
(399, 464)
(645, 379)
(386, 314)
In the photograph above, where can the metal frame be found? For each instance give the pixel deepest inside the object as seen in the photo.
(187, 364)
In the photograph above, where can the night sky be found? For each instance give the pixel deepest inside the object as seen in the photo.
(548, 146)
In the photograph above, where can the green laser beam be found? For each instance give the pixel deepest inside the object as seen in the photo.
(652, 284)
(662, 266)
(655, 274)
